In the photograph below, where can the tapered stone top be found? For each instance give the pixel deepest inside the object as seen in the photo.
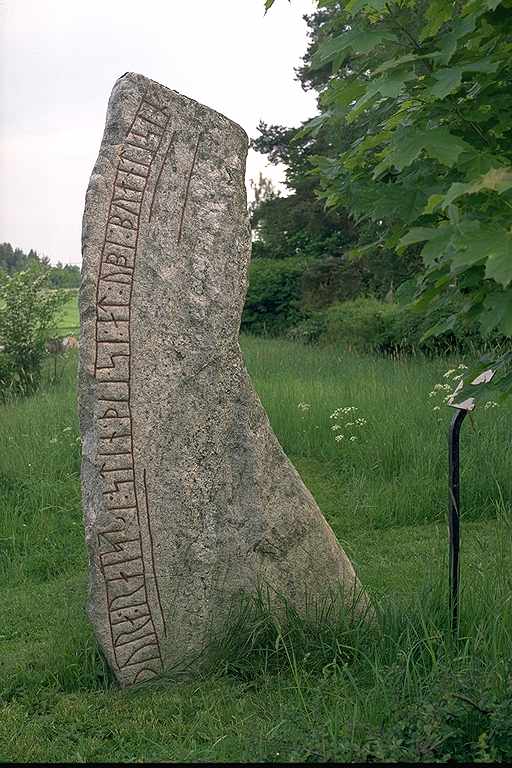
(189, 500)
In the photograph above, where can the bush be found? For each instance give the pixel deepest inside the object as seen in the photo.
(329, 280)
(309, 331)
(273, 302)
(370, 325)
(27, 308)
(362, 325)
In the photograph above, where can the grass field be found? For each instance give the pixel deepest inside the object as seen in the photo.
(401, 690)
(67, 320)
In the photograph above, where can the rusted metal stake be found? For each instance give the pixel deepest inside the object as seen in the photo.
(454, 515)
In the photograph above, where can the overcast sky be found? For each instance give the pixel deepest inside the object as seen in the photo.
(59, 60)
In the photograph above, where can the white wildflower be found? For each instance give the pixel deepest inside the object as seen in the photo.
(436, 408)
(339, 437)
(335, 427)
(352, 438)
(490, 404)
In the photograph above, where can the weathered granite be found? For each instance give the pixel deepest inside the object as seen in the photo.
(189, 500)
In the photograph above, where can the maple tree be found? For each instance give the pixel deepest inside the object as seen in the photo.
(423, 91)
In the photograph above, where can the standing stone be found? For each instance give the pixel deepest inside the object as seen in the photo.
(189, 500)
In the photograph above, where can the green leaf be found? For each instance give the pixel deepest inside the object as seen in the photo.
(497, 179)
(499, 260)
(343, 92)
(455, 191)
(433, 202)
(409, 143)
(352, 41)
(449, 41)
(437, 246)
(444, 146)
(484, 243)
(268, 4)
(497, 313)
(446, 324)
(354, 6)
(418, 235)
(405, 59)
(438, 12)
(448, 81)
(391, 84)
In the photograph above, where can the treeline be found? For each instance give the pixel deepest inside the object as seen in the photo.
(13, 260)
(400, 189)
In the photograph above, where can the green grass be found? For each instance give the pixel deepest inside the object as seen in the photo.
(400, 690)
(67, 322)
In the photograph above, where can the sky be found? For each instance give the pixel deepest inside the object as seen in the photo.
(60, 58)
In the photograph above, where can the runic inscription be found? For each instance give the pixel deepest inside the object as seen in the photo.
(135, 642)
(189, 500)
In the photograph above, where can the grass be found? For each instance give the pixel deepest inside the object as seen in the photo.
(401, 690)
(67, 323)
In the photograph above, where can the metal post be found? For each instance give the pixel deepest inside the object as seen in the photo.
(454, 515)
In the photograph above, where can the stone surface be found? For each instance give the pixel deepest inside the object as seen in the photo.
(189, 500)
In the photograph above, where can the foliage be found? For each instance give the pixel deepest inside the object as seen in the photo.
(60, 276)
(366, 324)
(363, 325)
(296, 224)
(273, 301)
(27, 308)
(422, 91)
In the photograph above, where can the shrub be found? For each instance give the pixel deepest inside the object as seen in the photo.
(362, 325)
(370, 325)
(329, 280)
(273, 302)
(310, 330)
(27, 308)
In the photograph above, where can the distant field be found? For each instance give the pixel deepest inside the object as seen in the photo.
(68, 321)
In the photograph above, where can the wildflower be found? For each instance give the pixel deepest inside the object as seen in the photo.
(490, 404)
(352, 438)
(436, 408)
(462, 367)
(339, 437)
(335, 427)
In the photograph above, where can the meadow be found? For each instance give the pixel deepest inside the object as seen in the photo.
(401, 689)
(67, 322)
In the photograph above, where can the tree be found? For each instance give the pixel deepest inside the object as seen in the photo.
(423, 88)
(27, 308)
(15, 260)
